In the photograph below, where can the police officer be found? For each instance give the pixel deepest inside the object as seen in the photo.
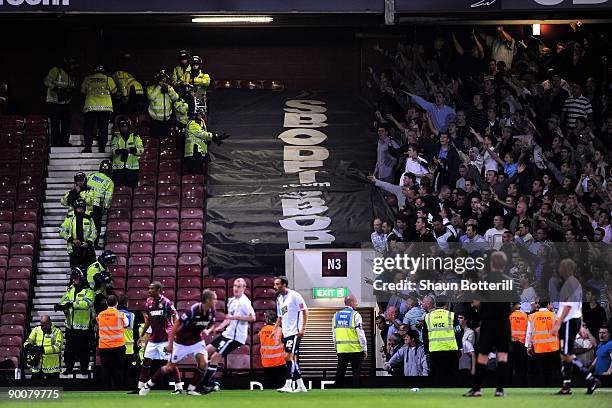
(127, 149)
(200, 80)
(440, 334)
(99, 279)
(47, 340)
(76, 305)
(179, 73)
(182, 108)
(129, 91)
(350, 339)
(98, 89)
(197, 138)
(103, 187)
(80, 189)
(60, 84)
(80, 233)
(161, 97)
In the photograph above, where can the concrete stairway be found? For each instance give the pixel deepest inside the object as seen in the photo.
(53, 264)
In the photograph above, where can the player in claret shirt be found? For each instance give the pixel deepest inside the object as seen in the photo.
(160, 318)
(185, 340)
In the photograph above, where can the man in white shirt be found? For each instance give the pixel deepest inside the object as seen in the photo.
(235, 332)
(292, 317)
(602, 220)
(567, 325)
(378, 237)
(528, 294)
(415, 164)
(494, 235)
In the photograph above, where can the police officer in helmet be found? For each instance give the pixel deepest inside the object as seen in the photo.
(103, 187)
(79, 231)
(99, 279)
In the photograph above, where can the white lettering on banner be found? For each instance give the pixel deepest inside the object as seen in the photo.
(299, 239)
(317, 223)
(295, 153)
(312, 137)
(306, 223)
(308, 120)
(305, 106)
(303, 206)
(36, 2)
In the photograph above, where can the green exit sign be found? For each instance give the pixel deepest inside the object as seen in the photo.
(329, 293)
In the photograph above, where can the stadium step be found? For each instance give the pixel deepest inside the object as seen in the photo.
(54, 264)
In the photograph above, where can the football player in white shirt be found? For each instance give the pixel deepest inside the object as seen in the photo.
(567, 324)
(292, 317)
(235, 329)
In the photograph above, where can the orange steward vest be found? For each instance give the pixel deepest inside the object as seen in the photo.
(272, 349)
(518, 325)
(543, 339)
(110, 328)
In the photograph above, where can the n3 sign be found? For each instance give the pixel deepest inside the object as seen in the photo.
(333, 264)
(575, 2)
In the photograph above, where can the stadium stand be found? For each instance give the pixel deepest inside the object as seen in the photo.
(22, 168)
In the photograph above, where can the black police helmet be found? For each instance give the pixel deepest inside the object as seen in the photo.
(76, 273)
(196, 59)
(80, 176)
(79, 203)
(161, 75)
(124, 122)
(107, 257)
(106, 166)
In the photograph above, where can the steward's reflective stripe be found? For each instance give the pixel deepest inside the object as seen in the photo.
(433, 329)
(111, 336)
(271, 347)
(539, 341)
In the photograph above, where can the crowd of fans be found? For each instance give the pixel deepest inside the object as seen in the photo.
(494, 142)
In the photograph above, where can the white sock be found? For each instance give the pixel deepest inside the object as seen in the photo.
(191, 387)
(178, 386)
(288, 384)
(300, 383)
(150, 384)
(140, 384)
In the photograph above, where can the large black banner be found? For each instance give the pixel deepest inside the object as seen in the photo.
(293, 175)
